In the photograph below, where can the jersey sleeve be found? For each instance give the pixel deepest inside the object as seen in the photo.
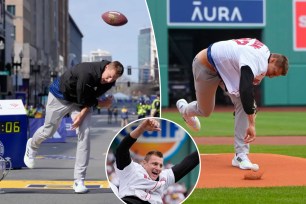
(123, 157)
(185, 166)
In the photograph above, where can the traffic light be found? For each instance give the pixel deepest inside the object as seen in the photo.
(129, 70)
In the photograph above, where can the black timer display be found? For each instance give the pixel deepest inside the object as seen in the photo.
(10, 127)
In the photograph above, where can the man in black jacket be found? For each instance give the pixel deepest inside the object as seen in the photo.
(75, 92)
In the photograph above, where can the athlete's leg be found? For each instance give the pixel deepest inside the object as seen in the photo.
(83, 146)
(55, 110)
(206, 83)
(241, 124)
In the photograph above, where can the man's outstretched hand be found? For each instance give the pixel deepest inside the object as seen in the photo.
(149, 124)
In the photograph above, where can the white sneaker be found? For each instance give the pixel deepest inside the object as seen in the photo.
(79, 186)
(192, 122)
(29, 155)
(242, 161)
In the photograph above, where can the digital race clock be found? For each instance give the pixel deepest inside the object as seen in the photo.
(9, 127)
(13, 130)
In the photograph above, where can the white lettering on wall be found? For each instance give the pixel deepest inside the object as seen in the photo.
(236, 14)
(302, 21)
(215, 13)
(197, 11)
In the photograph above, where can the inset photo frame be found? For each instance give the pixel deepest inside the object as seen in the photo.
(153, 160)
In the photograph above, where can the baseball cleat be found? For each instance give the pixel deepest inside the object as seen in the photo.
(192, 122)
(242, 161)
(29, 156)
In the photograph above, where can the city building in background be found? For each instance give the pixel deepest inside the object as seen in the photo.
(75, 43)
(3, 70)
(36, 47)
(85, 58)
(39, 41)
(147, 56)
(99, 55)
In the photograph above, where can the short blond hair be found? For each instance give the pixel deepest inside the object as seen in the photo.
(153, 152)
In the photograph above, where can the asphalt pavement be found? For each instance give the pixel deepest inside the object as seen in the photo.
(51, 181)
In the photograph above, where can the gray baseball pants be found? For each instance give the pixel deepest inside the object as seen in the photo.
(56, 109)
(206, 83)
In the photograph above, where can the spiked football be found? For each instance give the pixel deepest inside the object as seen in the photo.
(114, 18)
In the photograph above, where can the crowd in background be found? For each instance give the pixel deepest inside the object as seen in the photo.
(119, 112)
(35, 112)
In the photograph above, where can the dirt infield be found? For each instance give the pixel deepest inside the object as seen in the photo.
(279, 170)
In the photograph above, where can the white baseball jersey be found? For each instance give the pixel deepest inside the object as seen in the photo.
(135, 181)
(229, 56)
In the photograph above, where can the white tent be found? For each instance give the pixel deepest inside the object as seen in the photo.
(121, 96)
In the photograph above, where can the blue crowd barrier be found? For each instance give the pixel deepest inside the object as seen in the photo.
(63, 131)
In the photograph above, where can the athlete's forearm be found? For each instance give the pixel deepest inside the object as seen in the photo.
(251, 119)
(84, 112)
(185, 166)
(137, 132)
(123, 157)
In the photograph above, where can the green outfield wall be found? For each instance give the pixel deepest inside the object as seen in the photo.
(277, 33)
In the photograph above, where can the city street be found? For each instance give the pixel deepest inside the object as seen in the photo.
(52, 180)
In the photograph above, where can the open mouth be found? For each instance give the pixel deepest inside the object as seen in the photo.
(155, 173)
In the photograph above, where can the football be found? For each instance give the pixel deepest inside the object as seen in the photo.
(114, 18)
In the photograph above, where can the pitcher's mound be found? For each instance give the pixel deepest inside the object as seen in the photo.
(279, 170)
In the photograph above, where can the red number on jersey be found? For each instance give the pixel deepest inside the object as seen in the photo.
(245, 41)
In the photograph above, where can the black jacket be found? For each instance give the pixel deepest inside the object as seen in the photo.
(81, 84)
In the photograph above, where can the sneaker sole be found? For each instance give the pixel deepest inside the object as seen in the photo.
(236, 164)
(198, 124)
(80, 192)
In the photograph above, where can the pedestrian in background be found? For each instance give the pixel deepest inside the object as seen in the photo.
(155, 112)
(124, 116)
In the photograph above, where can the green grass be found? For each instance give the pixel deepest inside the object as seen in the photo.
(267, 124)
(290, 150)
(271, 195)
(275, 195)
